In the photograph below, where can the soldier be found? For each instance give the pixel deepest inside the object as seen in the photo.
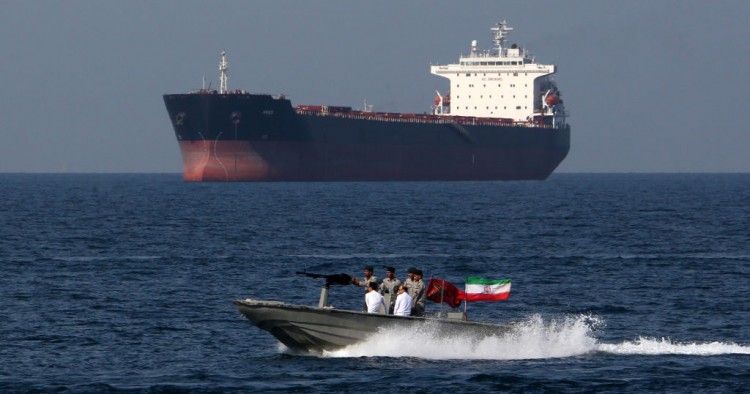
(417, 294)
(369, 278)
(409, 278)
(389, 288)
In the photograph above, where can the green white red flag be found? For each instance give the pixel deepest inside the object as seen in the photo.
(478, 289)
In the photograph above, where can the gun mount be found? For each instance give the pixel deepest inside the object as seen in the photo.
(334, 279)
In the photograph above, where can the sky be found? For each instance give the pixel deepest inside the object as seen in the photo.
(651, 86)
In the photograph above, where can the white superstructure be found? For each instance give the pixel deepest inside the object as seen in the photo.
(503, 82)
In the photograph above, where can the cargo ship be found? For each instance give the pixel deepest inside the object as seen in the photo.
(502, 118)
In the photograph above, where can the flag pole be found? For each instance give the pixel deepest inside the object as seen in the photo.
(465, 316)
(442, 290)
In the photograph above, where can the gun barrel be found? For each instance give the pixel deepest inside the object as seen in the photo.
(335, 279)
(309, 275)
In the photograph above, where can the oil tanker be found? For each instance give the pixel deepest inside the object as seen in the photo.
(502, 118)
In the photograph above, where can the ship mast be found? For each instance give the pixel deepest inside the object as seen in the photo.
(499, 35)
(223, 67)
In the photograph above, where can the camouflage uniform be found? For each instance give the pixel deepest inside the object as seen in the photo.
(389, 289)
(408, 283)
(416, 291)
(365, 281)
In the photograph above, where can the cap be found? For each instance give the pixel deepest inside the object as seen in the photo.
(369, 268)
(411, 270)
(390, 269)
(418, 272)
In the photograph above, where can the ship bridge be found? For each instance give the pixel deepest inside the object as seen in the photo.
(502, 82)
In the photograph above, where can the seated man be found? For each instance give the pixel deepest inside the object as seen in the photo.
(403, 302)
(373, 299)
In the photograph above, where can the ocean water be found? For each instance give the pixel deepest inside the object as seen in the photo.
(621, 282)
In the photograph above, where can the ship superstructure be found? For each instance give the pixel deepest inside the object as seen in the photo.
(501, 82)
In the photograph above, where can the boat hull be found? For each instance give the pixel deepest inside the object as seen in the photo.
(312, 329)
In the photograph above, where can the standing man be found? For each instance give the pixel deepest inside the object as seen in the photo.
(388, 289)
(403, 303)
(373, 299)
(417, 294)
(409, 279)
(369, 278)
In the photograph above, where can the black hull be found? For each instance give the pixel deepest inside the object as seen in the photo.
(245, 137)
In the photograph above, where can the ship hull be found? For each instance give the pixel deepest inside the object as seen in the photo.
(261, 138)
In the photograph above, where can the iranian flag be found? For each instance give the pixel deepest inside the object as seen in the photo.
(478, 289)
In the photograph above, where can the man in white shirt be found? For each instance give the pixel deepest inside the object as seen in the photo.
(403, 303)
(373, 299)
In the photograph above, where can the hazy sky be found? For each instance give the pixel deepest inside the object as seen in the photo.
(651, 86)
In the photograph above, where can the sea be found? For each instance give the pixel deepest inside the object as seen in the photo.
(620, 282)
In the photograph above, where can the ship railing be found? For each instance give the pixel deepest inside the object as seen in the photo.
(424, 118)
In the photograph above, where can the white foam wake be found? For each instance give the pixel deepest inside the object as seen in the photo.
(533, 338)
(665, 346)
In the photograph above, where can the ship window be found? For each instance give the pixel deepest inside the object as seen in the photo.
(482, 63)
(518, 107)
(515, 74)
(468, 75)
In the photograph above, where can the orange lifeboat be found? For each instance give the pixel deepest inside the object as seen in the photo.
(553, 99)
(437, 100)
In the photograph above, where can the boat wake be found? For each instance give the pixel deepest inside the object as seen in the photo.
(665, 346)
(533, 338)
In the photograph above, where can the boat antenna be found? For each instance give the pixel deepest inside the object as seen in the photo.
(223, 67)
(499, 35)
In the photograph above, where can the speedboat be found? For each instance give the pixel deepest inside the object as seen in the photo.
(310, 329)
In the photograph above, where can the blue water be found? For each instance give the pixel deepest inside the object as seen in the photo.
(620, 282)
